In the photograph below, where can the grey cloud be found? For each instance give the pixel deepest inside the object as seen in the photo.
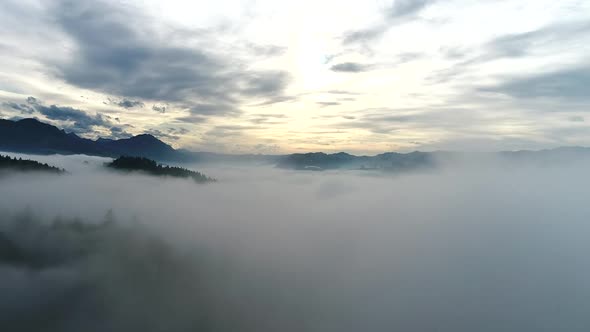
(350, 67)
(118, 133)
(192, 119)
(576, 118)
(213, 109)
(227, 131)
(327, 103)
(276, 116)
(522, 44)
(567, 84)
(112, 54)
(163, 135)
(263, 84)
(82, 122)
(127, 103)
(170, 133)
(268, 118)
(277, 100)
(21, 108)
(404, 8)
(343, 92)
(266, 50)
(73, 119)
(159, 109)
(364, 35)
(550, 39)
(398, 12)
(32, 100)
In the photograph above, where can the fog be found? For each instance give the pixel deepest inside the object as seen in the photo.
(470, 246)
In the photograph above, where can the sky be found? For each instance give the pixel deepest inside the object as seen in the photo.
(297, 76)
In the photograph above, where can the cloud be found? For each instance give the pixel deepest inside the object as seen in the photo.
(127, 103)
(343, 92)
(118, 132)
(21, 108)
(277, 100)
(75, 120)
(364, 35)
(399, 12)
(265, 50)
(214, 109)
(81, 121)
(268, 118)
(141, 63)
(265, 243)
(350, 67)
(163, 135)
(159, 109)
(537, 41)
(327, 103)
(576, 118)
(405, 8)
(569, 84)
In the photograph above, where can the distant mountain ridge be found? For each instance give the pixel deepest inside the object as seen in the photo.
(33, 136)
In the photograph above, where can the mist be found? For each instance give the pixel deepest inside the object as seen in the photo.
(487, 245)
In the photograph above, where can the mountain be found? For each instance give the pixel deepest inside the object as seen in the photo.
(22, 165)
(33, 136)
(342, 160)
(140, 146)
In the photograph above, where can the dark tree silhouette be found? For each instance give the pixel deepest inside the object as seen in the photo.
(149, 166)
(19, 164)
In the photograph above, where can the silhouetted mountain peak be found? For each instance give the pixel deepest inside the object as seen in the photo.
(32, 135)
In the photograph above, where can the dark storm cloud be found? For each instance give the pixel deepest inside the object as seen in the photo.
(116, 52)
(569, 84)
(350, 67)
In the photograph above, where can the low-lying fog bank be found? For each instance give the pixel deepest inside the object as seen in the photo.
(466, 247)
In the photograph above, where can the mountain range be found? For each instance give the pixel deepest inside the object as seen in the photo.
(35, 137)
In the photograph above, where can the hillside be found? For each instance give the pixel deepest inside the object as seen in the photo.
(14, 164)
(33, 136)
(139, 164)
